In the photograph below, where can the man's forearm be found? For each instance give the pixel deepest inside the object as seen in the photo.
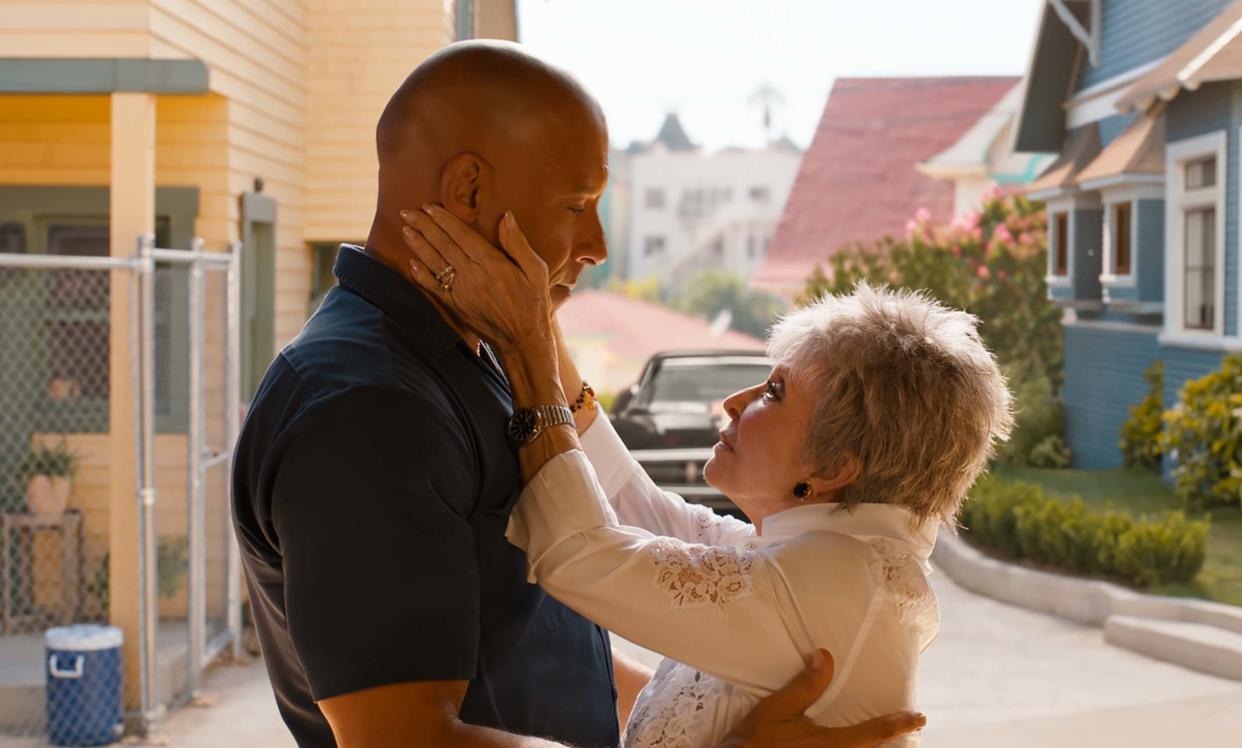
(532, 374)
(571, 380)
(631, 677)
(473, 736)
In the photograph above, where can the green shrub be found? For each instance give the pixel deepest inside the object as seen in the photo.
(1021, 522)
(1038, 421)
(1203, 436)
(57, 462)
(1169, 551)
(1140, 434)
(1052, 452)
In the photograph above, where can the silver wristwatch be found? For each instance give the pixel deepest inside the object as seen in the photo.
(528, 423)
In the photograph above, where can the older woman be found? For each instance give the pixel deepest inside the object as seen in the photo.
(881, 410)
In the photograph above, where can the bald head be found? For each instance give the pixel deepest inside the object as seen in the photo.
(476, 94)
(484, 127)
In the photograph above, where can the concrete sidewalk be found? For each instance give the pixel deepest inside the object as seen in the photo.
(997, 676)
(237, 710)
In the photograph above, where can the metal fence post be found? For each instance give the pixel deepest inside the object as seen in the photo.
(196, 516)
(147, 559)
(234, 405)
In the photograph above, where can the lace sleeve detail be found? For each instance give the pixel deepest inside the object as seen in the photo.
(698, 575)
(675, 710)
(903, 582)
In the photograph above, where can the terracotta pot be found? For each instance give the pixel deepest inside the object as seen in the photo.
(48, 495)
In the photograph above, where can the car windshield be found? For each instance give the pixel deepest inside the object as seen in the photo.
(693, 385)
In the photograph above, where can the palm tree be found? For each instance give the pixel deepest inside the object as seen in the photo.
(767, 97)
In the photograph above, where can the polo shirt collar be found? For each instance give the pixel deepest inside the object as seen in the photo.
(397, 298)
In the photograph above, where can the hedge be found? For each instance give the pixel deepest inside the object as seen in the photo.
(1021, 522)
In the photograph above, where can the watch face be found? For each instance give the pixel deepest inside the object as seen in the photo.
(522, 425)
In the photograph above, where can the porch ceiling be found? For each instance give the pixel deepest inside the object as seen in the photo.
(26, 75)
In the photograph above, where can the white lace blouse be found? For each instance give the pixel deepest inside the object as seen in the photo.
(735, 614)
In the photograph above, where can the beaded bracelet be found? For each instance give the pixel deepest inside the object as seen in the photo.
(586, 399)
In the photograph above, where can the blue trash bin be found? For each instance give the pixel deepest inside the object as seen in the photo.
(83, 684)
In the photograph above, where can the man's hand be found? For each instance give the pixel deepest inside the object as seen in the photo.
(778, 720)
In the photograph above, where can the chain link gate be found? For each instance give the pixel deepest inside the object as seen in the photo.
(55, 444)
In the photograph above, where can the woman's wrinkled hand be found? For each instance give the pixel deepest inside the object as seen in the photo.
(500, 293)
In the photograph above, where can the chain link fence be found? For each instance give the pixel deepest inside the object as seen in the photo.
(58, 377)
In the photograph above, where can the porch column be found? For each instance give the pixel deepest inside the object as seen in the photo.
(131, 213)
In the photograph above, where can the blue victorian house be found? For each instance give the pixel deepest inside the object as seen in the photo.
(1142, 100)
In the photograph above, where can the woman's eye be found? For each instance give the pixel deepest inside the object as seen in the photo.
(576, 210)
(771, 392)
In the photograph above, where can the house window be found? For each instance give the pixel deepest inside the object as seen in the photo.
(760, 194)
(1201, 173)
(653, 245)
(654, 198)
(1196, 210)
(693, 204)
(1060, 244)
(323, 259)
(1122, 239)
(1199, 273)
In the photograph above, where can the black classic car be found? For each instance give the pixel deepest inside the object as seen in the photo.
(671, 418)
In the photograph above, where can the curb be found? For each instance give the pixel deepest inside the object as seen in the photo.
(1094, 603)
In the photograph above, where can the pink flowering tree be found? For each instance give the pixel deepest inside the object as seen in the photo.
(991, 263)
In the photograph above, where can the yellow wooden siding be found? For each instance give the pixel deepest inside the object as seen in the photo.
(74, 28)
(64, 140)
(358, 54)
(256, 52)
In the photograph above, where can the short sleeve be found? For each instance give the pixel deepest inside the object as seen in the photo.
(370, 504)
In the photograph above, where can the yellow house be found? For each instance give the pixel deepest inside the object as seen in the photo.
(244, 122)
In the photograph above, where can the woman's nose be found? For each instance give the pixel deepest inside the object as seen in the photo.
(736, 403)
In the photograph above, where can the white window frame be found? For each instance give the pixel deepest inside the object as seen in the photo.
(1112, 198)
(1177, 202)
(1053, 207)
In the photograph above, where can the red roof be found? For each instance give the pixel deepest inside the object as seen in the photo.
(639, 329)
(858, 181)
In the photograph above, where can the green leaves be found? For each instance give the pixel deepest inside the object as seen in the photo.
(992, 264)
(1203, 434)
(1141, 443)
(1021, 522)
(54, 462)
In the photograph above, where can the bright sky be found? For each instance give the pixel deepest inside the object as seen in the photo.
(704, 58)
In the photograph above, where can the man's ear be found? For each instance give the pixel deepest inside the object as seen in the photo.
(464, 184)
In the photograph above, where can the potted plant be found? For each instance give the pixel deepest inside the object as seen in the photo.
(49, 473)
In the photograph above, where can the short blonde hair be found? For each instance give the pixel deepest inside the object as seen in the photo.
(905, 384)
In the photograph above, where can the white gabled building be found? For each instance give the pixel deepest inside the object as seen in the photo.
(692, 210)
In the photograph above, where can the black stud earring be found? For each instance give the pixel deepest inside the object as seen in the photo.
(804, 490)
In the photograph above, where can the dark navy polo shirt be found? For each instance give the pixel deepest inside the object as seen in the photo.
(371, 487)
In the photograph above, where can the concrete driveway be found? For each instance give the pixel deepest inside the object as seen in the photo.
(1004, 676)
(997, 676)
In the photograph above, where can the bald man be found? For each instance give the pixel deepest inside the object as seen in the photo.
(373, 480)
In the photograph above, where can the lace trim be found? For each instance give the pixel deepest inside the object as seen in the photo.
(699, 575)
(906, 585)
(674, 710)
(703, 520)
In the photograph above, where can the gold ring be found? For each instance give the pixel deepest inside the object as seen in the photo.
(445, 278)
